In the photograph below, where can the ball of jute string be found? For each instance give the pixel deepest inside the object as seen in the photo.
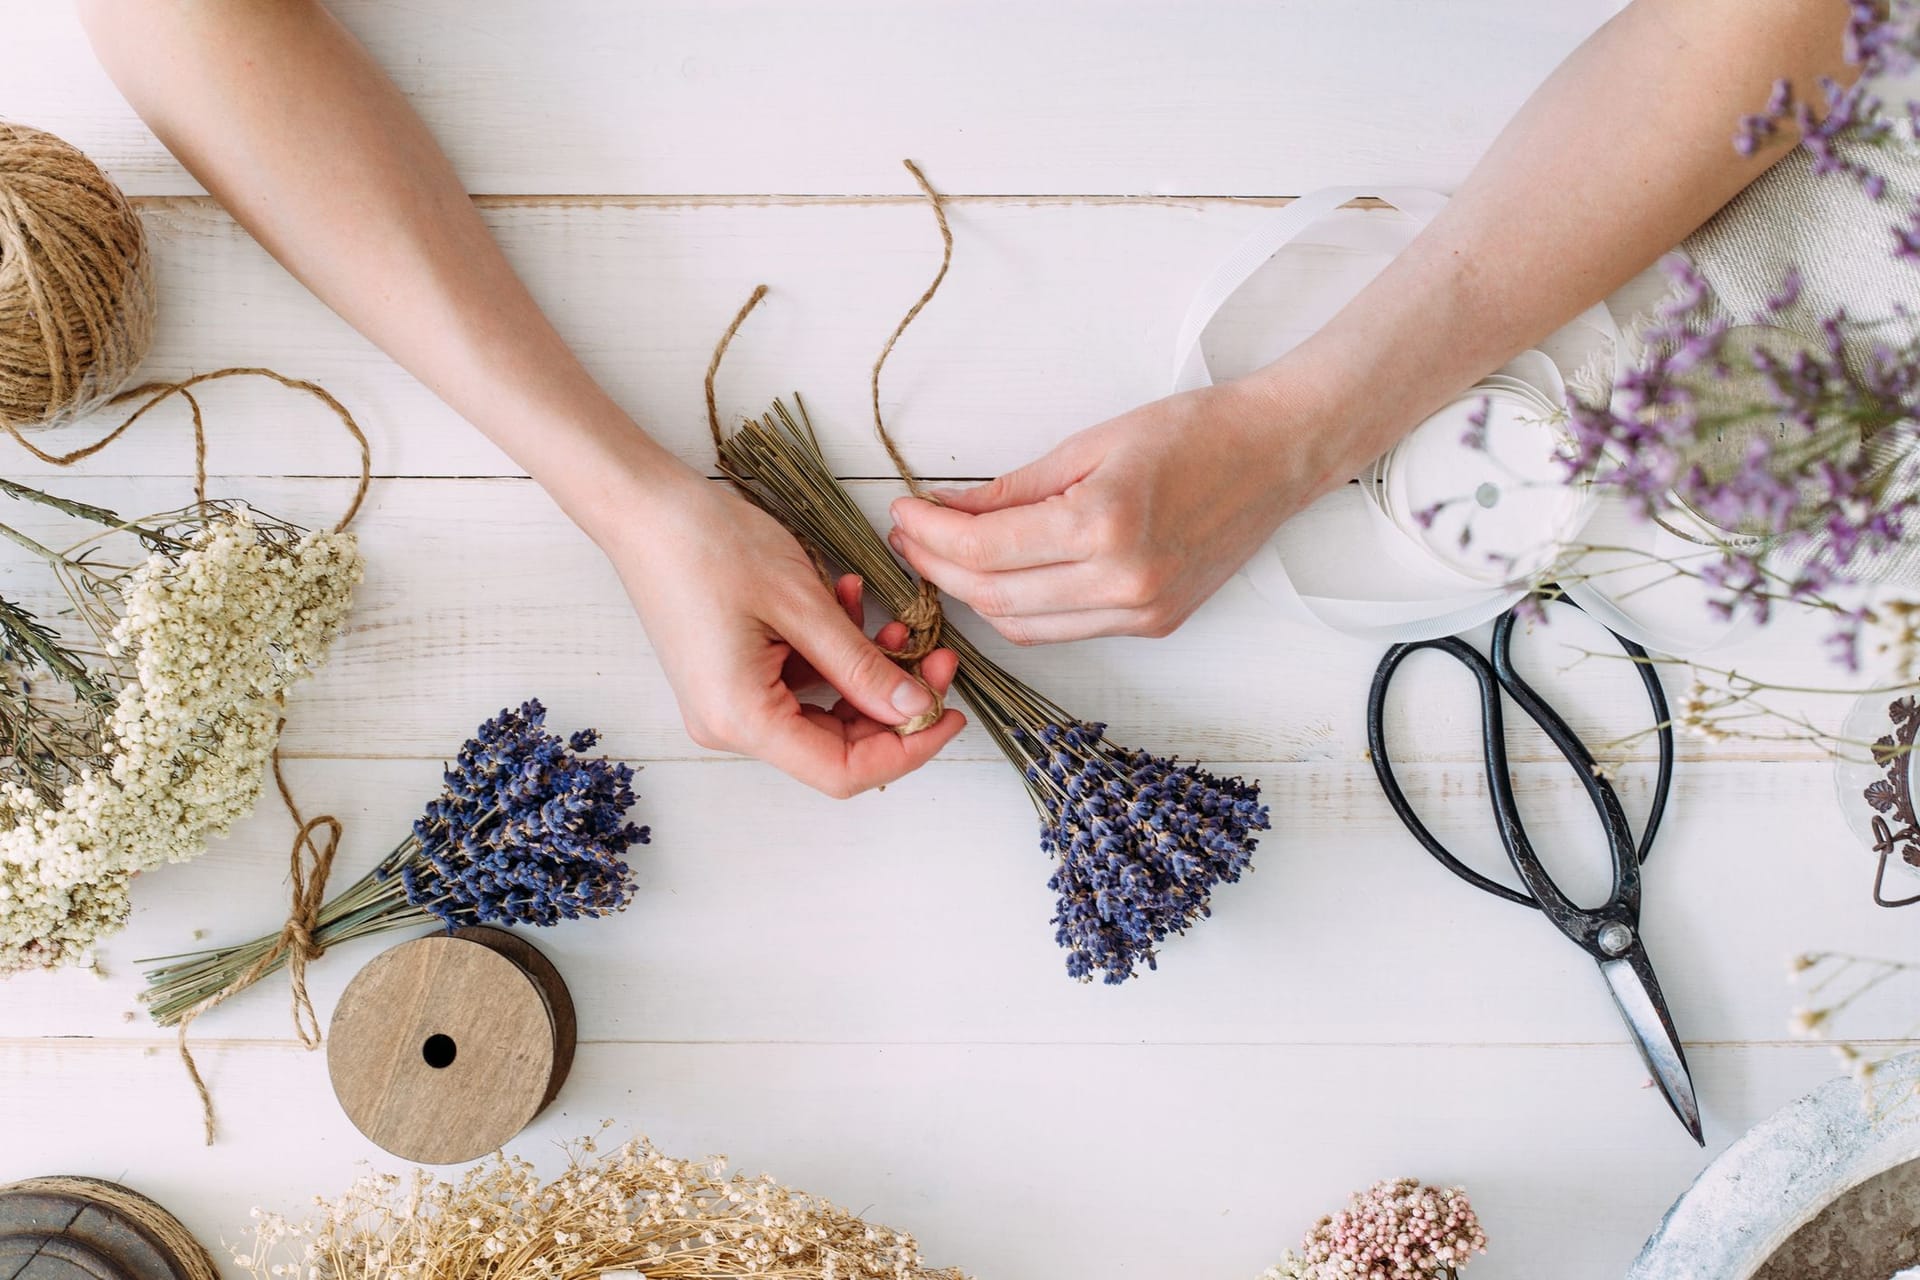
(76, 286)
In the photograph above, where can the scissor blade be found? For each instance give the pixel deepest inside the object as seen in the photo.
(1645, 1016)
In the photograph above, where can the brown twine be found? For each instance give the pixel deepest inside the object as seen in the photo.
(922, 616)
(946, 260)
(296, 944)
(153, 1221)
(156, 392)
(76, 288)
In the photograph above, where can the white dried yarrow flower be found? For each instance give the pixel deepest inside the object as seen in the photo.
(212, 637)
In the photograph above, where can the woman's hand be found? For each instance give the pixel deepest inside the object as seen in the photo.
(741, 623)
(1128, 527)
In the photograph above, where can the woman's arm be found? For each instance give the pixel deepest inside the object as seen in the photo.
(276, 108)
(1128, 527)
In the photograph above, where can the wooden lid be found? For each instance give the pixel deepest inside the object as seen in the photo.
(67, 1228)
(444, 1048)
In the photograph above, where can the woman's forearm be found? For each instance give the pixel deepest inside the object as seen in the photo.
(284, 117)
(1625, 150)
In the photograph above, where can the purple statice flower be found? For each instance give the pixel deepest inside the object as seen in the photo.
(1906, 235)
(1883, 38)
(1475, 436)
(525, 830)
(1787, 296)
(1762, 127)
(1804, 480)
(1851, 113)
(1139, 843)
(1843, 642)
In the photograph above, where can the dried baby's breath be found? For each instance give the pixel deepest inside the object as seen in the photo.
(202, 639)
(633, 1209)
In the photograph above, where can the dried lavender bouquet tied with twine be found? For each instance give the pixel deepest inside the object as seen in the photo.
(1139, 841)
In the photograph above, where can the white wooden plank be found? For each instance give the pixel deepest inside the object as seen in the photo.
(1017, 1162)
(1056, 316)
(480, 593)
(610, 96)
(921, 914)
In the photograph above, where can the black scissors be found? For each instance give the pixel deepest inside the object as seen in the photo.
(1610, 933)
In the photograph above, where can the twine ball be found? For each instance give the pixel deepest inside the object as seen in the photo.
(76, 292)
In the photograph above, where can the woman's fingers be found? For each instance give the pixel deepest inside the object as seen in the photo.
(1052, 588)
(1050, 531)
(827, 754)
(1059, 628)
(1055, 472)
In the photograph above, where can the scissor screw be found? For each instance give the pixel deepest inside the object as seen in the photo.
(1615, 939)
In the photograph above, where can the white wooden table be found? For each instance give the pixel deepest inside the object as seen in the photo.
(865, 998)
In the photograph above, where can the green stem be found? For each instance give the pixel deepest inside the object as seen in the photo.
(72, 507)
(27, 632)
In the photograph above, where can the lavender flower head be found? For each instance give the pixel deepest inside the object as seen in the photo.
(525, 830)
(1139, 840)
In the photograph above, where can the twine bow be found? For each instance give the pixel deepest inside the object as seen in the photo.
(308, 866)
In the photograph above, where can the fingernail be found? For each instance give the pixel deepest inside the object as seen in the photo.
(911, 698)
(895, 541)
(945, 494)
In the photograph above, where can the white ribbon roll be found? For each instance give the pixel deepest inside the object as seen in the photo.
(1421, 606)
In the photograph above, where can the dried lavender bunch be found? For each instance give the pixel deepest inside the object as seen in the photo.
(525, 830)
(1394, 1230)
(632, 1210)
(1139, 841)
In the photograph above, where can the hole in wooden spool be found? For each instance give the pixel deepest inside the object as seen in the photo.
(439, 1051)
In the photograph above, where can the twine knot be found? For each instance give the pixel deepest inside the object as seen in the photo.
(923, 620)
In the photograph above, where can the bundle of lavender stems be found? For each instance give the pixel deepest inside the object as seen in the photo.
(525, 830)
(1139, 841)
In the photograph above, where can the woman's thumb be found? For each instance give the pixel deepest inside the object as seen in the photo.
(842, 655)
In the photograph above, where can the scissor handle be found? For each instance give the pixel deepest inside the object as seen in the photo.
(1564, 737)
(1494, 745)
(1580, 924)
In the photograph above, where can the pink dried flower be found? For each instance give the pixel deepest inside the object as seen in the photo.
(1396, 1230)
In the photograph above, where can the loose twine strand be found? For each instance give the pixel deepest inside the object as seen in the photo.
(922, 616)
(296, 944)
(157, 392)
(187, 1254)
(311, 859)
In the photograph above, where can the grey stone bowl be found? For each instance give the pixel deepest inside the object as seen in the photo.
(1822, 1188)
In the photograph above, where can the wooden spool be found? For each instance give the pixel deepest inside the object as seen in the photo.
(68, 1228)
(443, 1048)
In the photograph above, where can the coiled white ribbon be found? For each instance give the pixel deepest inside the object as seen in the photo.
(1451, 609)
